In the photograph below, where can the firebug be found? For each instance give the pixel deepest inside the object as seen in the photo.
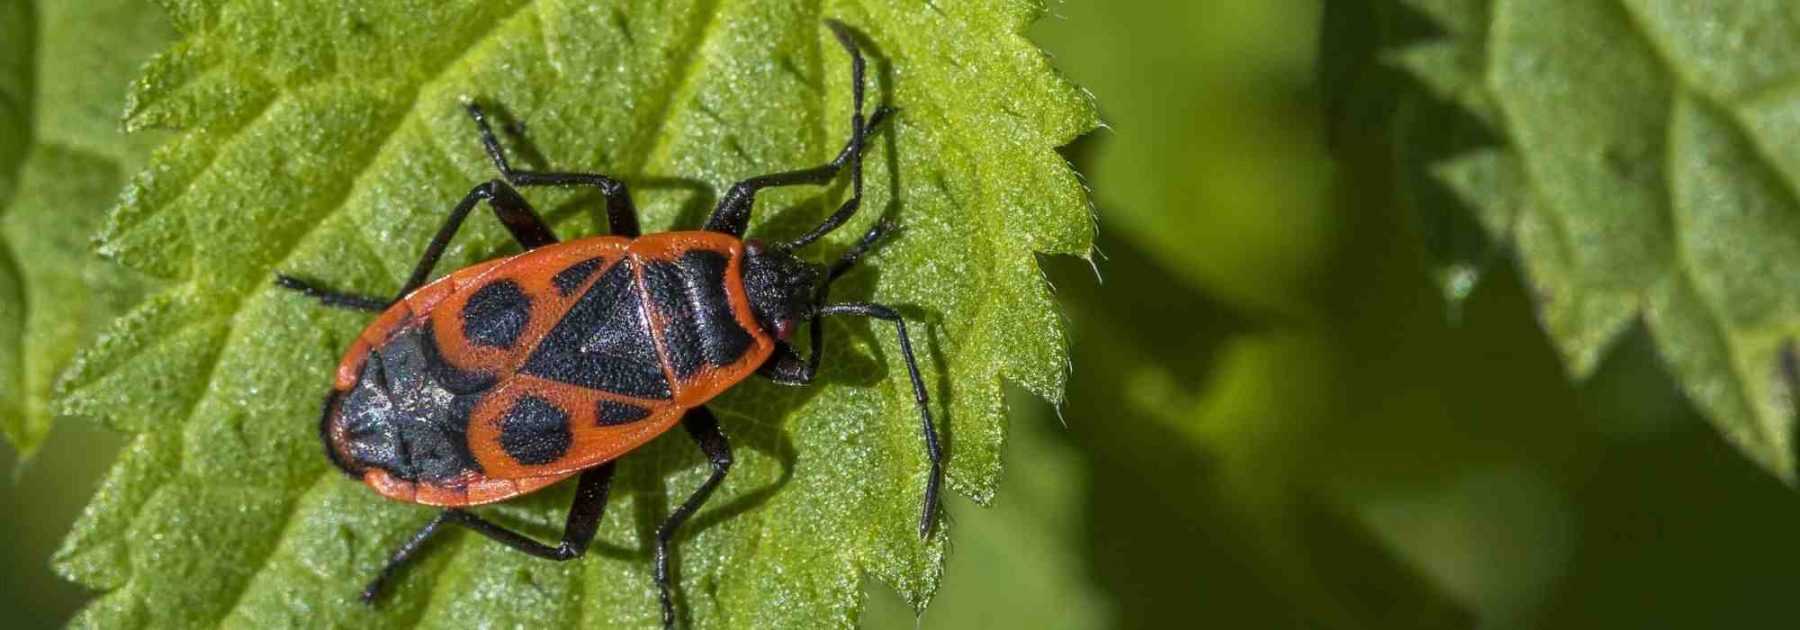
(516, 373)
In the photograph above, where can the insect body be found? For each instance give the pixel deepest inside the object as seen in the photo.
(514, 374)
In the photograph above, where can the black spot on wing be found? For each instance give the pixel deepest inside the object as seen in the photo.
(496, 314)
(604, 342)
(535, 431)
(570, 279)
(690, 294)
(614, 413)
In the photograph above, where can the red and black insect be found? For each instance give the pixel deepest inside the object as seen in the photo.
(516, 373)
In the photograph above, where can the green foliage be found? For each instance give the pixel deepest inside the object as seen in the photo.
(1211, 143)
(1205, 401)
(327, 141)
(62, 161)
(1209, 389)
(1641, 171)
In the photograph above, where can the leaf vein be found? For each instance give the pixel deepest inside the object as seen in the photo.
(1684, 266)
(288, 521)
(679, 92)
(1696, 92)
(643, 150)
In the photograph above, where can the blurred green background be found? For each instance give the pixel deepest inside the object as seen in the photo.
(1274, 419)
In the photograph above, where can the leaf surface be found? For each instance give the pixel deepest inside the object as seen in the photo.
(63, 159)
(1642, 170)
(327, 141)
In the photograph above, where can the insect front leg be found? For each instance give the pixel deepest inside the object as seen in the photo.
(787, 368)
(732, 215)
(934, 455)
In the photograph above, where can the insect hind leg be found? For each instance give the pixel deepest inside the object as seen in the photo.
(578, 531)
(331, 298)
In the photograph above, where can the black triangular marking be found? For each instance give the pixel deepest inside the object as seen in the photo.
(604, 342)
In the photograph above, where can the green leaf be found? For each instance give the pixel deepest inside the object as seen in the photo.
(327, 141)
(1643, 171)
(62, 162)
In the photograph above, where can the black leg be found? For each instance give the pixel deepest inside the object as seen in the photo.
(578, 531)
(732, 216)
(335, 299)
(786, 367)
(513, 212)
(851, 205)
(929, 512)
(621, 215)
(704, 428)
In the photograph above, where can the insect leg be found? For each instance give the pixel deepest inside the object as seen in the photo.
(578, 530)
(513, 212)
(704, 428)
(328, 297)
(732, 215)
(855, 253)
(621, 215)
(509, 207)
(928, 513)
(786, 367)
